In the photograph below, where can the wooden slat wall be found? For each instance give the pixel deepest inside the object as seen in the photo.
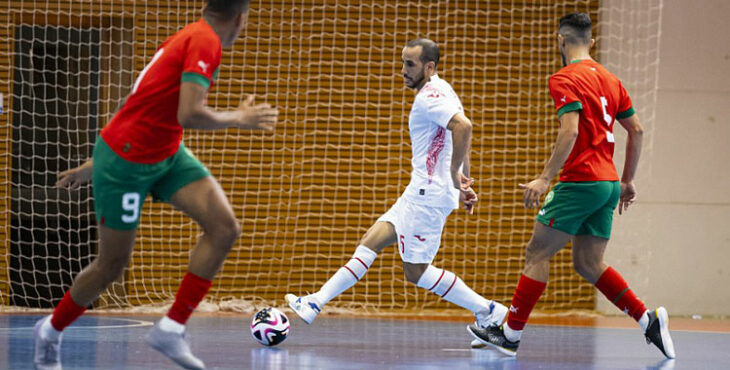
(340, 156)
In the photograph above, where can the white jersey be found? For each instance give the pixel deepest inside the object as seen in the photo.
(431, 145)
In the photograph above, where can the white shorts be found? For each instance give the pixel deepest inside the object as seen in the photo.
(419, 229)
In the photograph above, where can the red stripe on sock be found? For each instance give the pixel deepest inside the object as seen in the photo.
(66, 312)
(437, 281)
(363, 263)
(615, 288)
(526, 295)
(192, 290)
(353, 274)
(451, 286)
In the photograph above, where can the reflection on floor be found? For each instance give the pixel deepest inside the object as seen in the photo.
(223, 342)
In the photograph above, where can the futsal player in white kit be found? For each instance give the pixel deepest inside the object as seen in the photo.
(440, 139)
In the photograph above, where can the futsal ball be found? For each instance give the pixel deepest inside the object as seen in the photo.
(269, 326)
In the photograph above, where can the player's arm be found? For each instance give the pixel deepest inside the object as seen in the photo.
(567, 135)
(461, 129)
(193, 113)
(633, 151)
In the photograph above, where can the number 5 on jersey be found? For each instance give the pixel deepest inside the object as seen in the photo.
(609, 120)
(130, 203)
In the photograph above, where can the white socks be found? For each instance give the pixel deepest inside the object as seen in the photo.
(47, 331)
(511, 334)
(644, 321)
(170, 325)
(447, 285)
(347, 275)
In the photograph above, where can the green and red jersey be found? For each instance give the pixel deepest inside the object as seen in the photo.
(598, 95)
(146, 129)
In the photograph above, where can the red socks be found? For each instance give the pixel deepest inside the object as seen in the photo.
(192, 290)
(526, 295)
(613, 286)
(66, 312)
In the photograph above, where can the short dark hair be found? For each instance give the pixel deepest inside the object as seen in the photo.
(229, 8)
(576, 28)
(429, 50)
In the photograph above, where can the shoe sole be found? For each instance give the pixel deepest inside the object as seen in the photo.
(498, 348)
(476, 344)
(290, 299)
(182, 363)
(663, 317)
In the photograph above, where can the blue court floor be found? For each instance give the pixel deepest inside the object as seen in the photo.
(224, 342)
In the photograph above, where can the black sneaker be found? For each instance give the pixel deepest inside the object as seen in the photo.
(658, 332)
(494, 336)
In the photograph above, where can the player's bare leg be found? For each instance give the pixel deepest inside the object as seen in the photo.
(379, 236)
(588, 262)
(114, 250)
(205, 202)
(544, 244)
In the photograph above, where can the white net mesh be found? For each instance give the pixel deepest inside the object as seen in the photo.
(339, 158)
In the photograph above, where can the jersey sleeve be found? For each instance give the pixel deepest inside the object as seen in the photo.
(201, 60)
(625, 106)
(440, 108)
(565, 94)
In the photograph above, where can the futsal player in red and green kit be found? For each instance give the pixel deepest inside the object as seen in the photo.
(580, 207)
(140, 152)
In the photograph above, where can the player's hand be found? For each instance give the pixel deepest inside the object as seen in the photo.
(468, 197)
(257, 117)
(628, 196)
(75, 177)
(533, 191)
(460, 181)
(465, 182)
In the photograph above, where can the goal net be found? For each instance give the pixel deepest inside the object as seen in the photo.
(338, 159)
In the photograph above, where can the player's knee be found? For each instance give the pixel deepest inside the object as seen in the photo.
(537, 252)
(586, 268)
(108, 270)
(231, 231)
(412, 273)
(412, 277)
(226, 231)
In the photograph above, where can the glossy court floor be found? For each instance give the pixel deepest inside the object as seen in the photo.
(336, 342)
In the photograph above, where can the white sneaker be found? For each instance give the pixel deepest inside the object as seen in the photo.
(657, 332)
(495, 317)
(174, 346)
(47, 352)
(306, 307)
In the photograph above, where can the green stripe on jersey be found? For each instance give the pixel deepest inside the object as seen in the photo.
(626, 114)
(576, 105)
(195, 78)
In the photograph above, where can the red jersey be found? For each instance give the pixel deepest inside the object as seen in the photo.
(146, 129)
(587, 87)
